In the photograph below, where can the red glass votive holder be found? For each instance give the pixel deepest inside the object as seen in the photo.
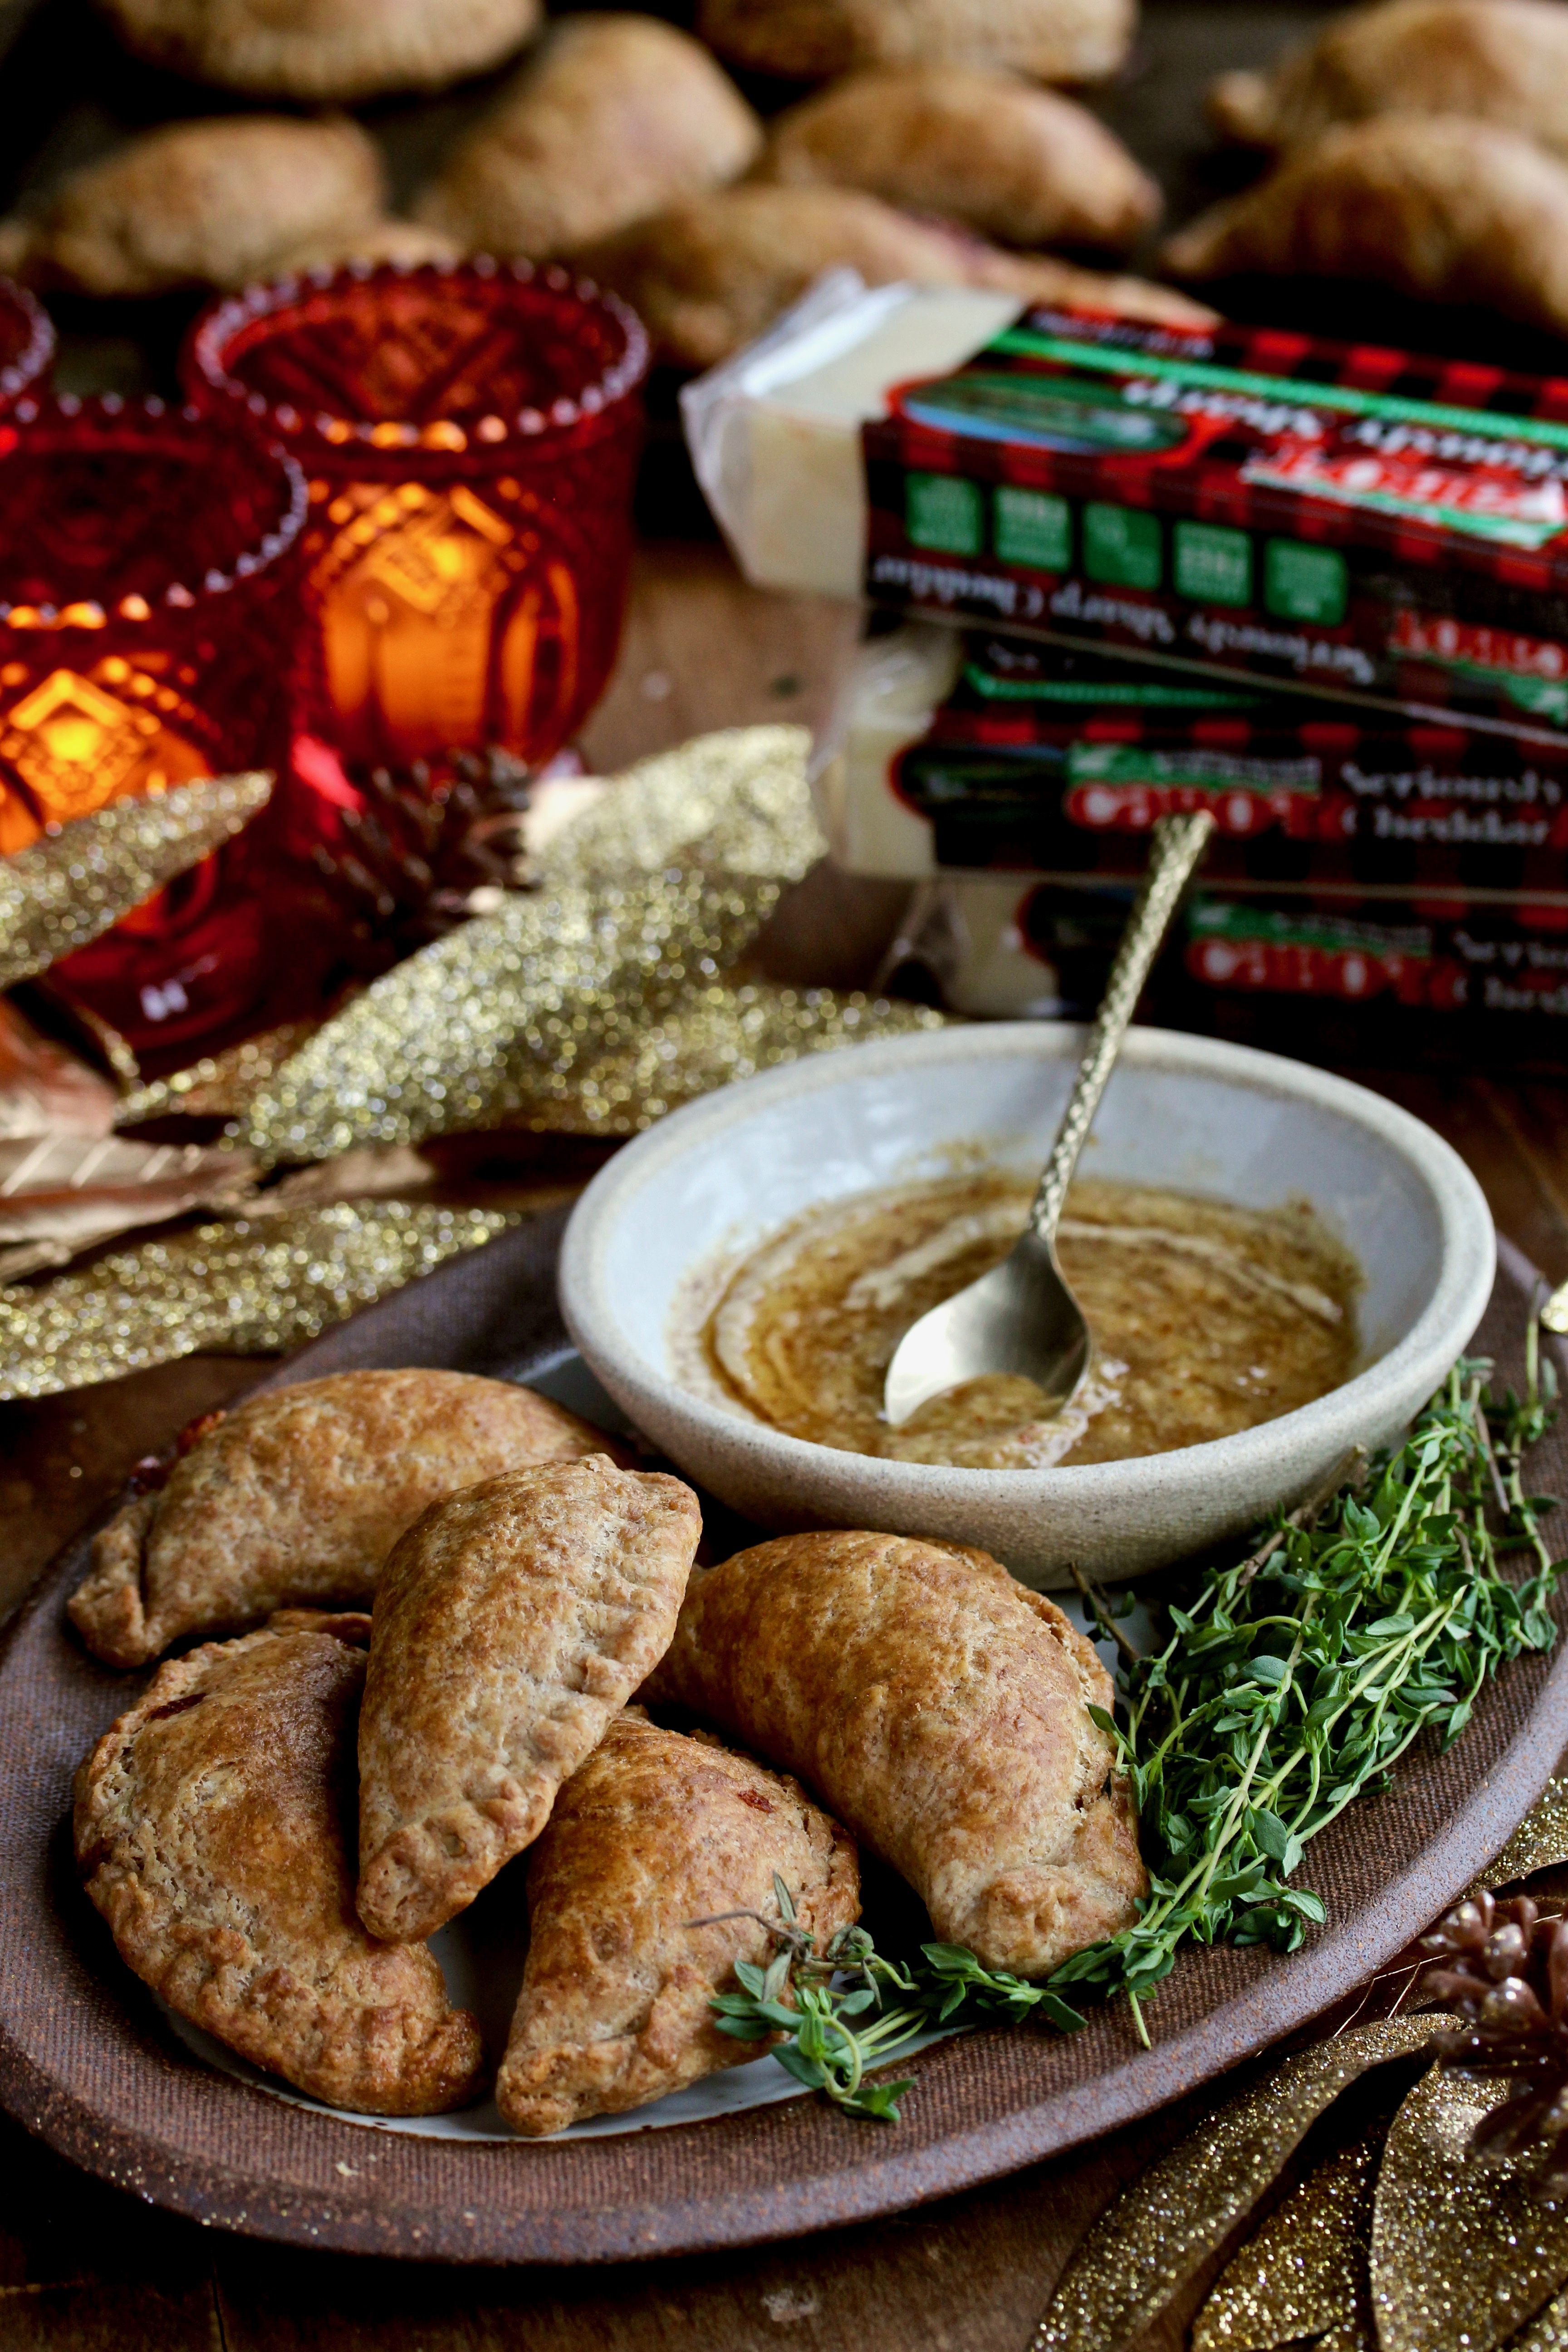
(149, 610)
(470, 436)
(26, 342)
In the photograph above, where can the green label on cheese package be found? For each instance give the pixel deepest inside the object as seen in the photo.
(1213, 564)
(1305, 583)
(944, 512)
(1122, 546)
(1032, 527)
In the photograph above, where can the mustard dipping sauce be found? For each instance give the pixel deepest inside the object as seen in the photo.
(1205, 1319)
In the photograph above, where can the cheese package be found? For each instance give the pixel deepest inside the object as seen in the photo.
(1008, 949)
(1336, 520)
(981, 753)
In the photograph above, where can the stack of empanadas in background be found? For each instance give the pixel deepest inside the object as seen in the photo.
(938, 1710)
(1006, 158)
(1425, 147)
(812, 40)
(612, 119)
(622, 146)
(341, 50)
(212, 203)
(709, 276)
(1503, 61)
(1435, 205)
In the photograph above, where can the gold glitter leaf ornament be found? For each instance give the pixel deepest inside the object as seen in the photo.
(1462, 2252)
(62, 891)
(1176, 2216)
(1305, 2272)
(1540, 1843)
(256, 1286)
(1547, 2331)
(600, 1001)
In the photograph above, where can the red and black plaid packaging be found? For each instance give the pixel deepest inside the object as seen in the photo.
(1032, 759)
(1338, 520)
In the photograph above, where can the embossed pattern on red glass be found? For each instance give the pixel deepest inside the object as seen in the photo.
(27, 341)
(470, 435)
(149, 609)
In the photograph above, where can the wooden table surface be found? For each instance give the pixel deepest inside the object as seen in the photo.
(83, 2267)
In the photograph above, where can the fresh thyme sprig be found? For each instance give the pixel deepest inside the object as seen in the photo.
(1299, 1678)
(851, 2008)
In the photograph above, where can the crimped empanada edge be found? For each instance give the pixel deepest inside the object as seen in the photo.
(109, 1606)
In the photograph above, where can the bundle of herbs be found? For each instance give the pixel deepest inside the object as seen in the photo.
(1299, 1678)
(1289, 1684)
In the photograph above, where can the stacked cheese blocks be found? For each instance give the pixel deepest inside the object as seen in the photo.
(1118, 570)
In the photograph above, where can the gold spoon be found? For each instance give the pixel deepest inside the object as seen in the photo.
(1021, 1316)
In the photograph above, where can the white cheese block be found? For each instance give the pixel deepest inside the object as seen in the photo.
(889, 701)
(774, 433)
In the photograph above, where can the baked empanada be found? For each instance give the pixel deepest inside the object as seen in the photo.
(654, 1832)
(811, 41)
(197, 203)
(299, 1496)
(1503, 61)
(1436, 205)
(942, 1713)
(615, 118)
(215, 1829)
(511, 1624)
(340, 49)
(1010, 160)
(707, 276)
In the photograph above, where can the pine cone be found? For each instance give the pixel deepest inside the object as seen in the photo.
(433, 847)
(1504, 1968)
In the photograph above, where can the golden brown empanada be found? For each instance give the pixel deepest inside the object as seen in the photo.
(298, 1495)
(810, 40)
(197, 203)
(1435, 205)
(614, 117)
(511, 1624)
(654, 1832)
(1010, 160)
(340, 49)
(1503, 61)
(215, 1829)
(709, 276)
(942, 1711)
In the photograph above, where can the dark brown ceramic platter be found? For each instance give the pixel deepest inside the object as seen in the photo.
(86, 2062)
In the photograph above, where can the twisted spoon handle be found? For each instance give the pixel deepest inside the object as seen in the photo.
(1179, 841)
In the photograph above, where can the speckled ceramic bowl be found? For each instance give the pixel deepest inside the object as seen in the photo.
(717, 1177)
